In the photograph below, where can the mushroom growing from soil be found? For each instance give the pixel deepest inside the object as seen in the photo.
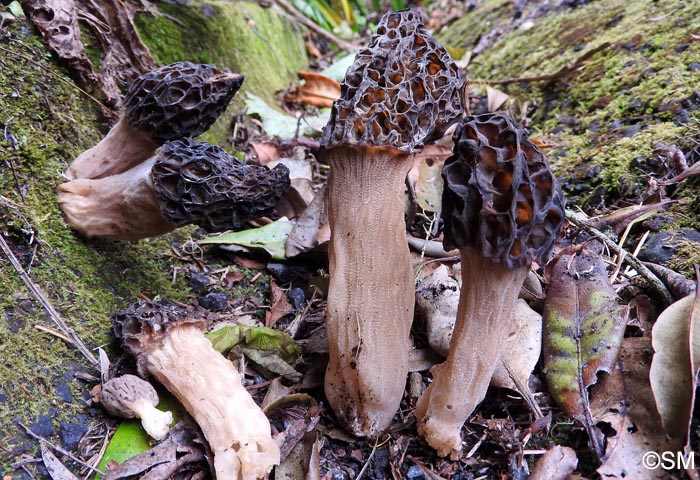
(129, 396)
(184, 182)
(168, 343)
(179, 100)
(402, 91)
(502, 208)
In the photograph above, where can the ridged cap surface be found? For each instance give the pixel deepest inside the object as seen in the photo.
(199, 183)
(402, 91)
(141, 326)
(182, 99)
(499, 197)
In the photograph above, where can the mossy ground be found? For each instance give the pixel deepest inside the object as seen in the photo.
(45, 121)
(258, 42)
(606, 117)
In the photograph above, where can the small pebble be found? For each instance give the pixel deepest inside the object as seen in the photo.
(297, 297)
(414, 473)
(215, 302)
(199, 282)
(71, 433)
(43, 426)
(63, 392)
(694, 67)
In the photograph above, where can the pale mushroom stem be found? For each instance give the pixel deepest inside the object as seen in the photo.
(122, 148)
(369, 263)
(485, 312)
(122, 205)
(210, 388)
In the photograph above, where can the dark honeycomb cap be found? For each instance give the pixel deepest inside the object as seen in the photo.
(500, 198)
(182, 99)
(141, 326)
(202, 184)
(402, 91)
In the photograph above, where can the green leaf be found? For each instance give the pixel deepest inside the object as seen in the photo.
(255, 338)
(128, 441)
(582, 331)
(271, 238)
(285, 126)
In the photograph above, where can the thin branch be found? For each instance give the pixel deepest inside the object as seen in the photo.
(564, 71)
(39, 295)
(292, 12)
(577, 220)
(58, 449)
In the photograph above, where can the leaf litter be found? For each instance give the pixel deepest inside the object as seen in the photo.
(607, 391)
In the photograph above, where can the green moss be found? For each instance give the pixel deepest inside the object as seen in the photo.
(44, 122)
(605, 118)
(265, 47)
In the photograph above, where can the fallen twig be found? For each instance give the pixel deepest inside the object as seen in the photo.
(292, 12)
(58, 449)
(564, 71)
(579, 221)
(39, 295)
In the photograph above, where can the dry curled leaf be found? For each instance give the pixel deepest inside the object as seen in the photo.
(520, 355)
(557, 464)
(305, 233)
(623, 404)
(318, 90)
(583, 328)
(674, 369)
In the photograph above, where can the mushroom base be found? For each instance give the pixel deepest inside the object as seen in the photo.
(210, 388)
(485, 318)
(121, 149)
(371, 291)
(122, 206)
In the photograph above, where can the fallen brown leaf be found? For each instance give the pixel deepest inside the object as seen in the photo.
(623, 400)
(557, 464)
(318, 90)
(674, 369)
(279, 305)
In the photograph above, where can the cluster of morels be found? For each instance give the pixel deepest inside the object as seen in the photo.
(128, 188)
(502, 209)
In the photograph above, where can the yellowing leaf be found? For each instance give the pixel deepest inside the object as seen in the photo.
(673, 375)
(583, 328)
(254, 338)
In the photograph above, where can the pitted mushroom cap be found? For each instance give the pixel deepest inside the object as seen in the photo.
(402, 91)
(119, 395)
(182, 99)
(143, 325)
(500, 198)
(202, 184)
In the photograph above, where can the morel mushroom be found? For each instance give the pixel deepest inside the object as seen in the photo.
(169, 344)
(179, 100)
(502, 208)
(129, 396)
(184, 182)
(402, 91)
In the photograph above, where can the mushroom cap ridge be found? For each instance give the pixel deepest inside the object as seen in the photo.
(182, 99)
(402, 91)
(199, 183)
(141, 326)
(500, 198)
